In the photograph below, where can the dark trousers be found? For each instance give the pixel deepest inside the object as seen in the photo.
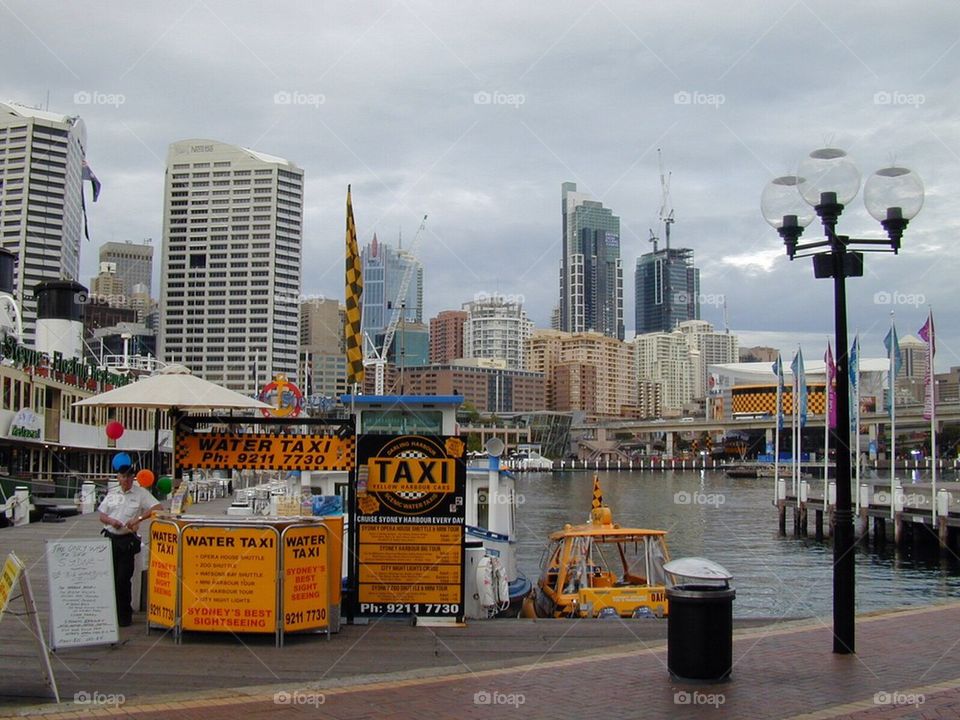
(125, 549)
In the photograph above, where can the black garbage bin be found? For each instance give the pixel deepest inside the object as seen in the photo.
(699, 621)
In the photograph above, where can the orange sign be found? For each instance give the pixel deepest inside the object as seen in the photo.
(229, 579)
(164, 543)
(306, 553)
(259, 451)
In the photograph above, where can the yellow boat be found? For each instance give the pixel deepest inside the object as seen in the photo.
(600, 569)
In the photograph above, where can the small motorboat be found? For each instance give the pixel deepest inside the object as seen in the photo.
(600, 569)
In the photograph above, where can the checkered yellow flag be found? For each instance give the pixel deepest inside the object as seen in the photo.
(597, 495)
(353, 292)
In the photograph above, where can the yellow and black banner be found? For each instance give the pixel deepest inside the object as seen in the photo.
(353, 295)
(264, 452)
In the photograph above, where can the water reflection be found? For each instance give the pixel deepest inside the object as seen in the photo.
(732, 521)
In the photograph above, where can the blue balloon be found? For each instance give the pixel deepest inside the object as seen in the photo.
(121, 459)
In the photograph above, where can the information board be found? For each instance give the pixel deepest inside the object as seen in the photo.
(162, 578)
(258, 451)
(229, 578)
(306, 596)
(83, 607)
(12, 567)
(410, 518)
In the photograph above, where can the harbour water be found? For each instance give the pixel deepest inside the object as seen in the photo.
(733, 522)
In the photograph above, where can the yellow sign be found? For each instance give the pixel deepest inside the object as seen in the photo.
(306, 553)
(229, 579)
(411, 475)
(261, 452)
(11, 573)
(164, 542)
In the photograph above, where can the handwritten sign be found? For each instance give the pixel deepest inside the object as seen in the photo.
(83, 607)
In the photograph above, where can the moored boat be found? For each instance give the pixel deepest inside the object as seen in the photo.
(600, 569)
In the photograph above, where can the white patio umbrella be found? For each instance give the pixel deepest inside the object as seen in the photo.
(174, 388)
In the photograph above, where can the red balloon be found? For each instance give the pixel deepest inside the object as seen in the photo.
(145, 478)
(114, 430)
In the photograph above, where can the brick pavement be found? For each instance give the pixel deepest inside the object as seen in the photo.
(907, 666)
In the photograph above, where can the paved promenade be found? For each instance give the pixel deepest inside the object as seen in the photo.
(907, 665)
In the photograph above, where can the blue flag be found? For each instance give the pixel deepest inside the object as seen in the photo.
(892, 345)
(854, 380)
(778, 371)
(800, 386)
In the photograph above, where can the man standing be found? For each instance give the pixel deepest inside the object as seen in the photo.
(122, 511)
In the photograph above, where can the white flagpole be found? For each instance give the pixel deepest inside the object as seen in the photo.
(892, 353)
(931, 387)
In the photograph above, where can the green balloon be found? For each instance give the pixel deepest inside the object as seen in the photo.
(165, 484)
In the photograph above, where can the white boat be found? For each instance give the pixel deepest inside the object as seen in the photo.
(533, 461)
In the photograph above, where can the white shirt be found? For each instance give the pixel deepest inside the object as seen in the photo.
(125, 506)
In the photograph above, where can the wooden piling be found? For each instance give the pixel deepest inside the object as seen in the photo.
(782, 513)
(818, 524)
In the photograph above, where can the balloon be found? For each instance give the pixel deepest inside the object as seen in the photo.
(114, 430)
(121, 459)
(164, 484)
(145, 478)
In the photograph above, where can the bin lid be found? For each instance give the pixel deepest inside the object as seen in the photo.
(697, 568)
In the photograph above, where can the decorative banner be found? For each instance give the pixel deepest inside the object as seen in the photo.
(353, 293)
(264, 452)
(162, 582)
(410, 518)
(306, 600)
(229, 579)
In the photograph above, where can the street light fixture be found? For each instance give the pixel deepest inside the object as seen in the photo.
(827, 180)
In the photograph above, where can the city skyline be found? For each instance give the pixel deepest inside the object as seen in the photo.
(466, 114)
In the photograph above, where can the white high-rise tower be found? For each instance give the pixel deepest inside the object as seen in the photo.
(41, 202)
(230, 267)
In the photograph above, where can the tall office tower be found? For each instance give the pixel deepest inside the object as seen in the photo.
(707, 347)
(496, 328)
(107, 287)
(667, 290)
(323, 351)
(383, 269)
(41, 200)
(230, 266)
(133, 261)
(910, 381)
(591, 274)
(665, 358)
(446, 336)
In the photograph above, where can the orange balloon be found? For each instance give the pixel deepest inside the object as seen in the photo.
(145, 478)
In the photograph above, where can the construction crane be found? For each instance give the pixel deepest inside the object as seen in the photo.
(378, 358)
(666, 208)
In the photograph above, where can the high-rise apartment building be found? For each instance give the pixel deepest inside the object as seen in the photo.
(322, 348)
(230, 268)
(133, 263)
(591, 274)
(496, 328)
(383, 268)
(665, 358)
(707, 347)
(667, 290)
(446, 336)
(41, 201)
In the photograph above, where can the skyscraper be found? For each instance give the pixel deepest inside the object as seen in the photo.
(446, 336)
(230, 267)
(667, 290)
(496, 328)
(591, 274)
(41, 201)
(133, 261)
(383, 271)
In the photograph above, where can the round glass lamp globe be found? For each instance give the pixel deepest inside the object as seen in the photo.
(781, 198)
(828, 170)
(898, 190)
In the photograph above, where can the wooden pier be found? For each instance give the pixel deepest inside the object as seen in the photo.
(908, 513)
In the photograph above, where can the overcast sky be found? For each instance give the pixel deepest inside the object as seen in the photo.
(476, 113)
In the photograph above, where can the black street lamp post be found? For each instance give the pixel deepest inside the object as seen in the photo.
(826, 181)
